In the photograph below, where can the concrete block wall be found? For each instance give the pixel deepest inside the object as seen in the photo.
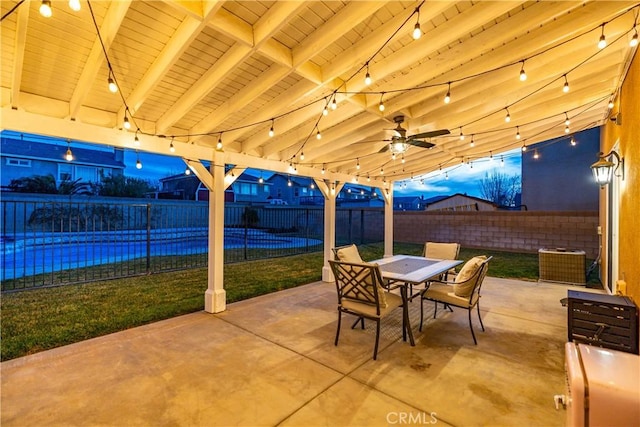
(508, 231)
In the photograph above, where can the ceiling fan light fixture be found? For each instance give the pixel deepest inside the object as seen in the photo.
(74, 5)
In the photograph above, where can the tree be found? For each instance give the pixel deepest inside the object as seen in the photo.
(46, 184)
(121, 186)
(500, 188)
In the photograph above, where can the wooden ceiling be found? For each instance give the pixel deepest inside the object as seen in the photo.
(196, 72)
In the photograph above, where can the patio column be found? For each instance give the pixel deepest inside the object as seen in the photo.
(215, 296)
(388, 220)
(330, 191)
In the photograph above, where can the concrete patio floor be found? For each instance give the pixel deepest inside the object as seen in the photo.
(271, 361)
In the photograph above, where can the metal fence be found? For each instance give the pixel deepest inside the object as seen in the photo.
(46, 243)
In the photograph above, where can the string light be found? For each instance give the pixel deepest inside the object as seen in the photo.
(368, 178)
(219, 144)
(523, 75)
(491, 156)
(318, 134)
(446, 175)
(171, 147)
(417, 32)
(74, 5)
(565, 88)
(634, 40)
(289, 183)
(402, 159)
(113, 87)
(501, 161)
(69, 155)
(271, 131)
(602, 43)
(358, 164)
(610, 103)
(507, 118)
(138, 162)
(261, 179)
(302, 155)
(518, 132)
(367, 78)
(323, 170)
(473, 142)
(536, 155)
(447, 97)
(461, 135)
(45, 9)
(381, 104)
(573, 141)
(381, 171)
(334, 103)
(566, 119)
(325, 110)
(566, 129)
(136, 141)
(187, 171)
(126, 124)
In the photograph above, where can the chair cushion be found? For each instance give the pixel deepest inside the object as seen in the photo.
(441, 250)
(349, 254)
(444, 293)
(392, 301)
(463, 286)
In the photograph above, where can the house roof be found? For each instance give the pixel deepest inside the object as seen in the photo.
(56, 153)
(195, 73)
(477, 199)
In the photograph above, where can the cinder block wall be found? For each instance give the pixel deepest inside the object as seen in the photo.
(509, 231)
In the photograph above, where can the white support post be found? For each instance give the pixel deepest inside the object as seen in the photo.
(330, 192)
(215, 296)
(388, 220)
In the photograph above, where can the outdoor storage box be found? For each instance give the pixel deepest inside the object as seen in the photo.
(608, 321)
(562, 266)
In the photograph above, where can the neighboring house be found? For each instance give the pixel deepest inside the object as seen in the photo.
(461, 202)
(24, 156)
(560, 179)
(358, 196)
(409, 203)
(293, 190)
(245, 189)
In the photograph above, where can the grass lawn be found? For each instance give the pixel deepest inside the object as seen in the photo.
(37, 320)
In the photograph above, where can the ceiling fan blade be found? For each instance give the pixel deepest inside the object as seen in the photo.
(385, 148)
(421, 144)
(430, 134)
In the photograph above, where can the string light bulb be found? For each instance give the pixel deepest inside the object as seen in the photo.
(536, 155)
(381, 104)
(447, 97)
(136, 141)
(367, 78)
(318, 134)
(171, 147)
(507, 118)
(518, 132)
(323, 170)
(45, 9)
(524, 147)
(446, 175)
(610, 103)
(138, 162)
(567, 122)
(325, 110)
(358, 164)
(113, 87)
(187, 171)
(334, 103)
(219, 144)
(125, 123)
(74, 5)
(565, 88)
(271, 131)
(261, 179)
(573, 141)
(502, 161)
(302, 155)
(634, 40)
(69, 155)
(602, 42)
(461, 135)
(473, 142)
(523, 74)
(417, 31)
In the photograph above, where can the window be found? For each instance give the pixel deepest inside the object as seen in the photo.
(22, 163)
(65, 172)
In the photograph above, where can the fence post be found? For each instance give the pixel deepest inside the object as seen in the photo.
(361, 226)
(148, 238)
(246, 231)
(306, 226)
(351, 225)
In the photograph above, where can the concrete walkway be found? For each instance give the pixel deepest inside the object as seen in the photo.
(271, 361)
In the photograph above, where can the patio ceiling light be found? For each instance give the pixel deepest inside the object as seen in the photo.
(604, 169)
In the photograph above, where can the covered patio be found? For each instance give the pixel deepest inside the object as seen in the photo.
(271, 361)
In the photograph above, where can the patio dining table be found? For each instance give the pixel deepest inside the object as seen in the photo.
(409, 270)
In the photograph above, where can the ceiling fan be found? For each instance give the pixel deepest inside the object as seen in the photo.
(400, 142)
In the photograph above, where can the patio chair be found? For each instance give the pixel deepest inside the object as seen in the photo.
(361, 293)
(463, 292)
(436, 250)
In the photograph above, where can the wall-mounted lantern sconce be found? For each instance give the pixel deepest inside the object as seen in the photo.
(604, 169)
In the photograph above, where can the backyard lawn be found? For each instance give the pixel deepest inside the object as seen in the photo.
(41, 319)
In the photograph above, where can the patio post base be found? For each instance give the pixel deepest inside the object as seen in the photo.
(327, 274)
(215, 300)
